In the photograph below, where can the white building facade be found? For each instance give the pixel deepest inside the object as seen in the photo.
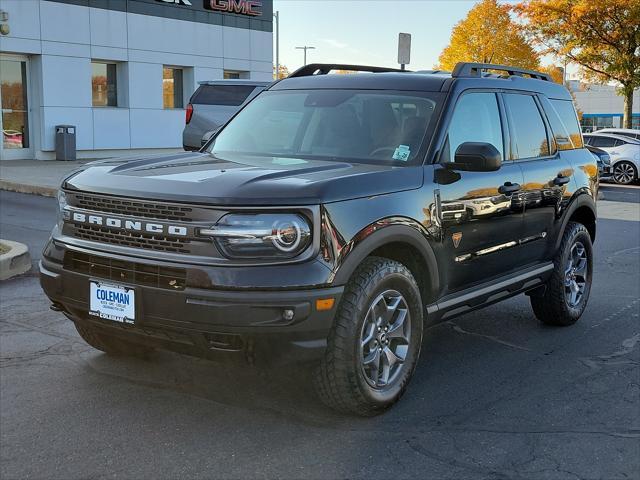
(602, 107)
(120, 71)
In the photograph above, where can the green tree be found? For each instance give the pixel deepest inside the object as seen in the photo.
(488, 35)
(601, 36)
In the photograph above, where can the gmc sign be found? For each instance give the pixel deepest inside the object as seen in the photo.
(241, 7)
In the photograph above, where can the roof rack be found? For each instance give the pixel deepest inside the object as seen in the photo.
(470, 69)
(324, 68)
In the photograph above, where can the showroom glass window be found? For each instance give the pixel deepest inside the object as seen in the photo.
(172, 87)
(104, 86)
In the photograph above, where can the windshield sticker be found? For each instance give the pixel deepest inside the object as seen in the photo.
(402, 153)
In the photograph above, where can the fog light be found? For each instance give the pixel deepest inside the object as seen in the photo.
(324, 304)
(288, 315)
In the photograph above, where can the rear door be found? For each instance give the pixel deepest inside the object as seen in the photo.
(480, 215)
(548, 174)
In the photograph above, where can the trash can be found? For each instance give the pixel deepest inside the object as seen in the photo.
(65, 142)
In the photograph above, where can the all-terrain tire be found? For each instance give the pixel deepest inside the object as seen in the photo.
(340, 380)
(553, 308)
(111, 345)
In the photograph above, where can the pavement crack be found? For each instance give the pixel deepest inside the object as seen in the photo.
(628, 345)
(459, 329)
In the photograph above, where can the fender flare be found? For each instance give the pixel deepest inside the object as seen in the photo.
(394, 230)
(582, 199)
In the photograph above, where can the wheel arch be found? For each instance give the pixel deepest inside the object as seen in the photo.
(404, 241)
(581, 210)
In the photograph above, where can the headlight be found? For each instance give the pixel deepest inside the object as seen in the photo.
(606, 160)
(63, 213)
(263, 235)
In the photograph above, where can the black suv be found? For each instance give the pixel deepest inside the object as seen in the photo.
(333, 218)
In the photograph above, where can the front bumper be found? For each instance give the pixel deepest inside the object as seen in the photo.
(204, 321)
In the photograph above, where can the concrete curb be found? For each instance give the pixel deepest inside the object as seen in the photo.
(26, 188)
(16, 261)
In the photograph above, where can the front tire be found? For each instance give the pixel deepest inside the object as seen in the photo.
(567, 291)
(624, 173)
(375, 342)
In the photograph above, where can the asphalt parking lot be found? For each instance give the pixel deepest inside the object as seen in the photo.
(496, 394)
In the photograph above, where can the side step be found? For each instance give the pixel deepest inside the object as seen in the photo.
(488, 293)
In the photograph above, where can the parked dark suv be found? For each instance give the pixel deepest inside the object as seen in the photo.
(332, 219)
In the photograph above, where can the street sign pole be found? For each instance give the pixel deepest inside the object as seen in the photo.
(404, 49)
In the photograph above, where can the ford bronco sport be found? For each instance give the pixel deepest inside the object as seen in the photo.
(332, 219)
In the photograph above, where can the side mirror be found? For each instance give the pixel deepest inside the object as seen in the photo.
(476, 157)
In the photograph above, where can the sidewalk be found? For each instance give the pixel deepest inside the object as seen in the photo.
(35, 176)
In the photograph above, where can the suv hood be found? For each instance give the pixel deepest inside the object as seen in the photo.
(235, 179)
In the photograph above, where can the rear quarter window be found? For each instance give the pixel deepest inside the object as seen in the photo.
(227, 95)
(567, 115)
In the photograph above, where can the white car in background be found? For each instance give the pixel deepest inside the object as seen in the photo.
(624, 152)
(627, 132)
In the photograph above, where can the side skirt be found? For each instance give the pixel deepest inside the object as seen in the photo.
(485, 294)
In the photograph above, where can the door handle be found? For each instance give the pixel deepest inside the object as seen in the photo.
(561, 180)
(508, 188)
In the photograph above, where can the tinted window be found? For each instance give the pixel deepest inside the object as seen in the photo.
(336, 125)
(476, 118)
(530, 134)
(567, 114)
(228, 95)
(603, 142)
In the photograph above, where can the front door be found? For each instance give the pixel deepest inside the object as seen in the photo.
(480, 212)
(14, 120)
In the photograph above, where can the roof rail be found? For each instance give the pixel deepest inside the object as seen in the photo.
(470, 69)
(324, 68)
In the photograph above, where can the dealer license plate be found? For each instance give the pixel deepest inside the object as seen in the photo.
(112, 302)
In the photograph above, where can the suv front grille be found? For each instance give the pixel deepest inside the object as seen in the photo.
(130, 239)
(133, 207)
(124, 271)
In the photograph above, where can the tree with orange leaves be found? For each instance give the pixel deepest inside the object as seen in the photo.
(601, 36)
(488, 35)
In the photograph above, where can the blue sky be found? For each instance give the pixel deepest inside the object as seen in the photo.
(366, 31)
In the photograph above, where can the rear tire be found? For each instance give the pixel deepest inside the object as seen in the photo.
(111, 345)
(567, 291)
(624, 173)
(375, 342)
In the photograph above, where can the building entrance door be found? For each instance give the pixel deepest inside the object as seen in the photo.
(14, 120)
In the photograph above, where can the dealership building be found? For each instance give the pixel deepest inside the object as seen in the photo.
(120, 71)
(601, 106)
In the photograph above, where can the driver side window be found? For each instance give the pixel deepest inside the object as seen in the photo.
(476, 118)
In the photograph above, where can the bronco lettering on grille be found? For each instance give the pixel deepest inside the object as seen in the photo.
(130, 225)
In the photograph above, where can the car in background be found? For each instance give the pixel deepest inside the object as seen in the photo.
(627, 132)
(604, 162)
(624, 152)
(212, 104)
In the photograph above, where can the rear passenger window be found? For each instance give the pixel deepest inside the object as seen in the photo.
(606, 142)
(567, 114)
(476, 118)
(227, 95)
(527, 126)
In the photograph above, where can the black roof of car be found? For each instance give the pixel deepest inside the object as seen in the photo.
(470, 75)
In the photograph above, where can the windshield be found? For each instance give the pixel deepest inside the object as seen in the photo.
(339, 125)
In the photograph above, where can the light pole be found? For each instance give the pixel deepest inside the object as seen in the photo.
(276, 15)
(305, 48)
